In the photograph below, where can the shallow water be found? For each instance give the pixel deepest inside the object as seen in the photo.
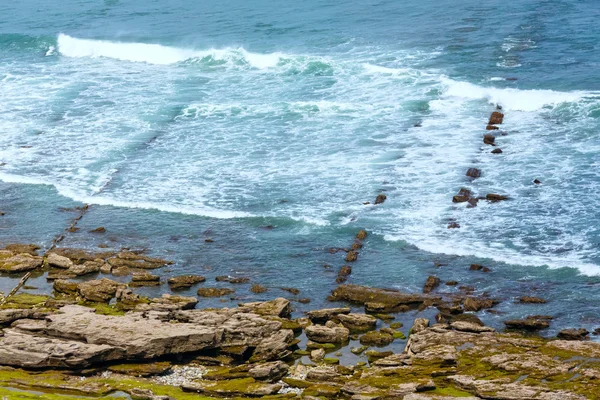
(180, 122)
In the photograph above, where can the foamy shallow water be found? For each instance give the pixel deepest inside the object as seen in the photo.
(242, 117)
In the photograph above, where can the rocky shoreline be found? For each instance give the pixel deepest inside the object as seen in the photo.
(96, 337)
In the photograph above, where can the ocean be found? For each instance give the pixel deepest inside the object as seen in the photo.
(243, 138)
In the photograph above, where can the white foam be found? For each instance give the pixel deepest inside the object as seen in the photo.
(157, 54)
(497, 253)
(82, 197)
(511, 99)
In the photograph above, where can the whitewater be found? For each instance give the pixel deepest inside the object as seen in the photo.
(307, 137)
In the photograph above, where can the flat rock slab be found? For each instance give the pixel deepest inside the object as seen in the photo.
(77, 337)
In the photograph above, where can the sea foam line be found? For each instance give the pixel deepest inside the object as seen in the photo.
(69, 46)
(107, 201)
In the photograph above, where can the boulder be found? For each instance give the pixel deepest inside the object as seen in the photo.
(343, 274)
(168, 302)
(133, 260)
(144, 279)
(88, 267)
(242, 387)
(351, 256)
(326, 314)
(380, 199)
(419, 325)
(460, 199)
(278, 307)
(497, 151)
(214, 292)
(574, 334)
(375, 338)
(477, 304)
(495, 197)
(431, 283)
(473, 173)
(256, 288)
(323, 334)
(20, 263)
(65, 287)
(185, 281)
(291, 290)
(465, 326)
(528, 324)
(55, 261)
(380, 300)
(537, 181)
(317, 355)
(270, 371)
(102, 290)
(19, 248)
(496, 118)
(489, 139)
(491, 128)
(99, 229)
(531, 300)
(361, 235)
(357, 322)
(453, 225)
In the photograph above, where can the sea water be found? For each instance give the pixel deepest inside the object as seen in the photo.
(264, 127)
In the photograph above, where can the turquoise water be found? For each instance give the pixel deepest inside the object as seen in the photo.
(265, 126)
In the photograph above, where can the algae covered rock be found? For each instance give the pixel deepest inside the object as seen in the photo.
(375, 338)
(270, 371)
(102, 290)
(381, 300)
(20, 263)
(185, 281)
(214, 292)
(278, 307)
(244, 387)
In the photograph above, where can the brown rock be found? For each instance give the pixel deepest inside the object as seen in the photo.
(491, 128)
(489, 139)
(460, 199)
(497, 151)
(326, 314)
(293, 291)
(214, 292)
(453, 225)
(530, 299)
(102, 290)
(357, 322)
(431, 283)
(385, 299)
(66, 287)
(21, 263)
(528, 324)
(351, 256)
(88, 267)
(323, 334)
(495, 197)
(380, 199)
(185, 281)
(496, 118)
(100, 229)
(361, 235)
(278, 307)
(375, 338)
(476, 304)
(18, 248)
(343, 274)
(256, 288)
(55, 261)
(537, 181)
(270, 372)
(573, 334)
(473, 172)
(452, 283)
